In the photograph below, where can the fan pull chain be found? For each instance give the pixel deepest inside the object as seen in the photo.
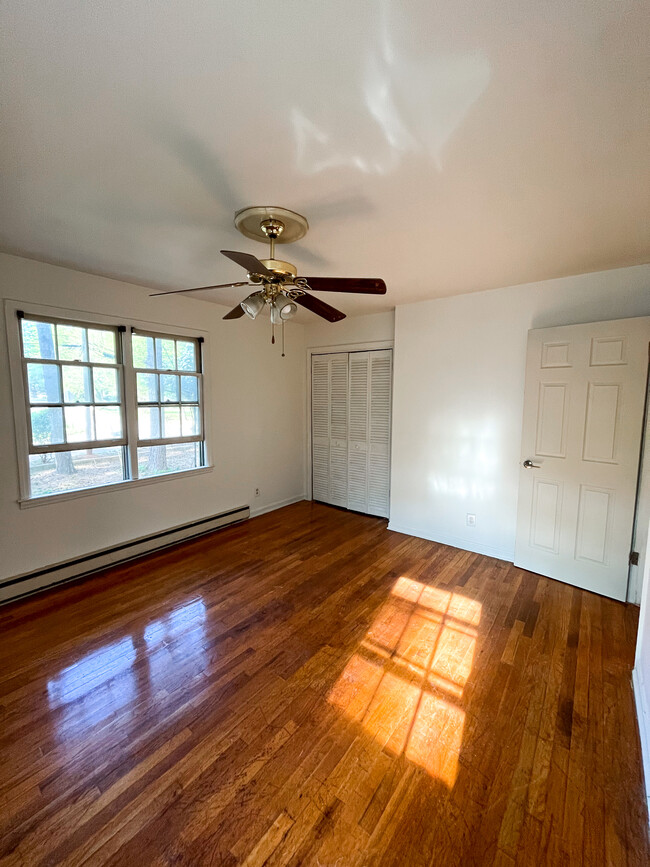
(272, 332)
(283, 338)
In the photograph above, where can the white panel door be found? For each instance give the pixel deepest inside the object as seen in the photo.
(583, 417)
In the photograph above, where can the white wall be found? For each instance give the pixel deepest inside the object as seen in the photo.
(355, 329)
(458, 400)
(257, 419)
(641, 674)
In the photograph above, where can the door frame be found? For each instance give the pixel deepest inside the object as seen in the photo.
(638, 543)
(332, 349)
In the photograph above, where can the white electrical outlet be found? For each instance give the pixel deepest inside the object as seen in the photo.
(257, 492)
(471, 520)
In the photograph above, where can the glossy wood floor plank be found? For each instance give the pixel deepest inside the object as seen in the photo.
(309, 688)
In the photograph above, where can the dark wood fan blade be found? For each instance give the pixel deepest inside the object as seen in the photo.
(363, 285)
(248, 261)
(320, 308)
(198, 289)
(235, 313)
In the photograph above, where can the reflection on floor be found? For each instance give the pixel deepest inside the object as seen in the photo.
(308, 688)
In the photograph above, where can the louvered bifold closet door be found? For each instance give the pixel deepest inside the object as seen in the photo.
(379, 412)
(351, 415)
(358, 431)
(329, 419)
(338, 476)
(320, 426)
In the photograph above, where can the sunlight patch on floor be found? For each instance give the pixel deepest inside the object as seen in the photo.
(405, 681)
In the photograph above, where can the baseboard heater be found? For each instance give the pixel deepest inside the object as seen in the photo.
(69, 570)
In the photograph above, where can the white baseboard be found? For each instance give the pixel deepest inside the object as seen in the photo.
(271, 507)
(454, 542)
(643, 717)
(94, 561)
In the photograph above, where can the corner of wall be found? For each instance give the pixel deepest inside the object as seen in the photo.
(454, 541)
(641, 673)
(643, 719)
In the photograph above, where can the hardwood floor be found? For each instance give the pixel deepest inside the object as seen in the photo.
(309, 688)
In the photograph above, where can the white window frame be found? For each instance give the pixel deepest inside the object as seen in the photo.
(158, 372)
(130, 412)
(59, 364)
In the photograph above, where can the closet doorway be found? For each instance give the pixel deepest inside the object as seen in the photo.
(351, 394)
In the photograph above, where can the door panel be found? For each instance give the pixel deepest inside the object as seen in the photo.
(547, 515)
(601, 422)
(329, 420)
(552, 419)
(320, 401)
(338, 494)
(358, 442)
(595, 514)
(358, 476)
(583, 414)
(380, 399)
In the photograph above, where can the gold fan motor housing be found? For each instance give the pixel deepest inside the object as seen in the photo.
(282, 269)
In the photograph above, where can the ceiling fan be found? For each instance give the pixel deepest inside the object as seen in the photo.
(276, 282)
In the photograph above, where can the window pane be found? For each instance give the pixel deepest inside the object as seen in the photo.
(79, 426)
(168, 388)
(101, 346)
(38, 339)
(174, 458)
(190, 421)
(76, 384)
(105, 383)
(147, 387)
(165, 354)
(190, 389)
(72, 343)
(148, 423)
(47, 425)
(186, 354)
(43, 382)
(143, 354)
(171, 420)
(56, 472)
(108, 421)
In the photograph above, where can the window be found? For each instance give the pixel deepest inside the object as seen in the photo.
(168, 390)
(82, 428)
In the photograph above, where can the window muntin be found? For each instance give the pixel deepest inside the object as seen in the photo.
(83, 427)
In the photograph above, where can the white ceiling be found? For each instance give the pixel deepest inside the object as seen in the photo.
(446, 147)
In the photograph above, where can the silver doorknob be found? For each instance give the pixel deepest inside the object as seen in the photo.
(529, 465)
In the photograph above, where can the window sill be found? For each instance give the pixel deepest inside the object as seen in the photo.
(48, 499)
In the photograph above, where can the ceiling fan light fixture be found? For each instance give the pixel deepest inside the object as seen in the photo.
(283, 308)
(253, 305)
